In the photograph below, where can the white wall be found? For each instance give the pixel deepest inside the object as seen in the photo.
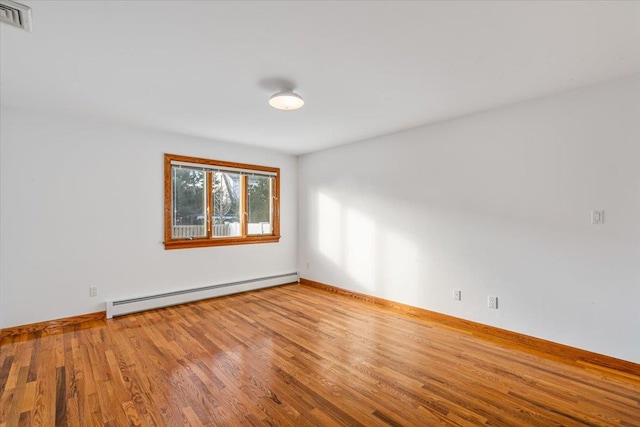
(496, 203)
(82, 205)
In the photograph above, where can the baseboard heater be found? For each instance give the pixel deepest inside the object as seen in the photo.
(134, 305)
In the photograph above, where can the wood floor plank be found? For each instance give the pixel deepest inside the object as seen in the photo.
(296, 356)
(14, 409)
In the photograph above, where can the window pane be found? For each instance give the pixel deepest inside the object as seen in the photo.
(189, 207)
(226, 204)
(260, 208)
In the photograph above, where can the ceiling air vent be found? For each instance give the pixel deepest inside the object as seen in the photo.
(15, 14)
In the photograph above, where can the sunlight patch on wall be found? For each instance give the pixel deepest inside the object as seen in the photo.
(329, 228)
(360, 256)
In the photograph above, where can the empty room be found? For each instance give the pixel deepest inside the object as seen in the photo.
(319, 213)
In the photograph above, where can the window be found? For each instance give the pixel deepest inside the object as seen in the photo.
(215, 203)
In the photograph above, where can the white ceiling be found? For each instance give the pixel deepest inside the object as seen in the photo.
(364, 68)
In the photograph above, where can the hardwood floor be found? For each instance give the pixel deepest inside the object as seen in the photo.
(295, 355)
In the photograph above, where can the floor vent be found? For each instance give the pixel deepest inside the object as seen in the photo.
(15, 14)
(149, 302)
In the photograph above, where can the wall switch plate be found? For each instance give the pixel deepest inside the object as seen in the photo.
(457, 294)
(93, 291)
(492, 302)
(597, 217)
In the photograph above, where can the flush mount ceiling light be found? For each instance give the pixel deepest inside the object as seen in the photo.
(286, 100)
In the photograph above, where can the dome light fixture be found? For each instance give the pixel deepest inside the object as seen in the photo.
(286, 100)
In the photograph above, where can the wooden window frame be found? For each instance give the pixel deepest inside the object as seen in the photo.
(244, 238)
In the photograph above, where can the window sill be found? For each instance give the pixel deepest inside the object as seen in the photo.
(205, 242)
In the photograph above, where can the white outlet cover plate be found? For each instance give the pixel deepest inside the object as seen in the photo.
(597, 217)
(492, 302)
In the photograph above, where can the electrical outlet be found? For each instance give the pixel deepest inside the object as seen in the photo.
(493, 302)
(457, 294)
(308, 266)
(597, 217)
(93, 291)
